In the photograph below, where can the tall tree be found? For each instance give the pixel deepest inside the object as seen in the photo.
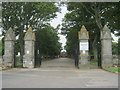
(47, 41)
(94, 16)
(21, 15)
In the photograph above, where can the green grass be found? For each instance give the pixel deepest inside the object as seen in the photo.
(1, 68)
(18, 64)
(113, 69)
(94, 62)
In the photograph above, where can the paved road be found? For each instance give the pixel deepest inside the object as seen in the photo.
(59, 78)
(61, 63)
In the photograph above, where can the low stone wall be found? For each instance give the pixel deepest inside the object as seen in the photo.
(115, 59)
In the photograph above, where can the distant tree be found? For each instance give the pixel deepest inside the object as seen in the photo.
(47, 41)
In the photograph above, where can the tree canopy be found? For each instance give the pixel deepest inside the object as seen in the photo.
(21, 15)
(94, 15)
(47, 41)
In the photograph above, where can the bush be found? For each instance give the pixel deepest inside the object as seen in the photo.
(18, 64)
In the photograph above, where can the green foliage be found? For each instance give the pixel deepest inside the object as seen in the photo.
(74, 20)
(94, 62)
(18, 64)
(2, 68)
(21, 15)
(72, 39)
(47, 41)
(94, 16)
(25, 14)
(112, 16)
(115, 48)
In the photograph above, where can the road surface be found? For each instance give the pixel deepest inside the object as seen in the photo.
(63, 76)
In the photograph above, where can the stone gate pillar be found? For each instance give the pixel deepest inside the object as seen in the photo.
(106, 42)
(8, 58)
(84, 48)
(28, 58)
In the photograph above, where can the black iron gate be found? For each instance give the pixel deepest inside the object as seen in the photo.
(37, 54)
(77, 53)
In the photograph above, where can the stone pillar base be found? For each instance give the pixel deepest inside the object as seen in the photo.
(8, 61)
(107, 61)
(84, 62)
(28, 61)
(84, 59)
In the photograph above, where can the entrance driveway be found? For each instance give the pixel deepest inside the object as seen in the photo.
(58, 77)
(59, 63)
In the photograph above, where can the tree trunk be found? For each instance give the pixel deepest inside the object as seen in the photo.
(95, 48)
(97, 17)
(95, 53)
(21, 43)
(98, 20)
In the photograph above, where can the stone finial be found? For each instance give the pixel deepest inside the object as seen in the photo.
(30, 29)
(30, 35)
(83, 28)
(84, 33)
(10, 35)
(106, 34)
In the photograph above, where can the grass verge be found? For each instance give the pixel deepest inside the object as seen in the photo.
(2, 67)
(112, 69)
(94, 62)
